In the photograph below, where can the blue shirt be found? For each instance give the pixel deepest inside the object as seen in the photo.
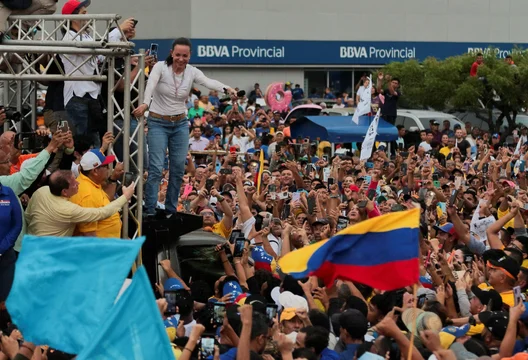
(297, 94)
(10, 218)
(328, 354)
(329, 96)
(349, 352)
(215, 101)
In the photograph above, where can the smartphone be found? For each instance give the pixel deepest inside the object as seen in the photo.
(453, 197)
(517, 295)
(371, 194)
(286, 211)
(362, 204)
(271, 312)
(342, 223)
(235, 234)
(233, 149)
(219, 311)
(330, 182)
(135, 22)
(311, 205)
(187, 206)
(404, 154)
(404, 168)
(284, 195)
(272, 188)
(63, 127)
(129, 178)
(172, 301)
(369, 165)
(239, 247)
(468, 259)
(209, 183)
(368, 179)
(258, 222)
(187, 190)
(436, 182)
(153, 51)
(226, 171)
(296, 196)
(206, 347)
(325, 158)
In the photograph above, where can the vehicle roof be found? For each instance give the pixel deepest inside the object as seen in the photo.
(425, 113)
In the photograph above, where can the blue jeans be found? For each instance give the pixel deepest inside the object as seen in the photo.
(163, 134)
(82, 117)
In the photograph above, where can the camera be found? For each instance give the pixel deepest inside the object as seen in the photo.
(12, 113)
(31, 142)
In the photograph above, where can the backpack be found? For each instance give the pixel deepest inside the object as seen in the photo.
(17, 4)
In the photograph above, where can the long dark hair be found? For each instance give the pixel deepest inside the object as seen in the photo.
(179, 41)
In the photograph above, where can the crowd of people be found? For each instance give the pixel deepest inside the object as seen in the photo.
(234, 162)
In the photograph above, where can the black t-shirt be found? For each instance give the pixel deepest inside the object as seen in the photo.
(390, 106)
(55, 93)
(463, 145)
(119, 95)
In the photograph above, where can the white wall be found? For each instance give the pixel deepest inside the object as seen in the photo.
(246, 78)
(403, 20)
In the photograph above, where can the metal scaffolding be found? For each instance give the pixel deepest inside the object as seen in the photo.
(30, 52)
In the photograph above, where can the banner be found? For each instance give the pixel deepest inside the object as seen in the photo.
(370, 138)
(364, 103)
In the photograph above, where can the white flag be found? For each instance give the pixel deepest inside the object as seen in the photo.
(370, 138)
(364, 103)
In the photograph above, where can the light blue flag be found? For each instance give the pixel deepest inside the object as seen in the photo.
(134, 330)
(65, 287)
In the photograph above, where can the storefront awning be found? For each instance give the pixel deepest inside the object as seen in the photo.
(340, 129)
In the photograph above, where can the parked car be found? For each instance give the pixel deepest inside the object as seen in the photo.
(415, 121)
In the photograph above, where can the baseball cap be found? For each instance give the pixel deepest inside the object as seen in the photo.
(287, 314)
(233, 288)
(450, 333)
(95, 158)
(447, 228)
(508, 182)
(354, 188)
(73, 6)
(258, 302)
(435, 122)
(488, 296)
(173, 284)
(496, 136)
(496, 322)
(321, 221)
(507, 264)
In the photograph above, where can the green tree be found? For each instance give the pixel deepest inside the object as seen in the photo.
(445, 85)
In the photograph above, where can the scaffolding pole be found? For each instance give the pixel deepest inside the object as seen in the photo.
(42, 39)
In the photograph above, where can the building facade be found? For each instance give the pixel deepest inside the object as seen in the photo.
(316, 43)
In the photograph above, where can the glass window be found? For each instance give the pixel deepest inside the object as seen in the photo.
(406, 121)
(340, 82)
(315, 83)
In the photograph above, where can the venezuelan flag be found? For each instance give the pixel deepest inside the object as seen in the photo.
(381, 252)
(262, 259)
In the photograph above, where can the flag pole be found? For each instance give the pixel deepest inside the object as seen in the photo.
(413, 327)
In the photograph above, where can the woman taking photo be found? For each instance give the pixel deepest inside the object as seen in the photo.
(167, 91)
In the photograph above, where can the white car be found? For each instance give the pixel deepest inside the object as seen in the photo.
(418, 120)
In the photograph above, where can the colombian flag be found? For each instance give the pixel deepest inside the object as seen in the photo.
(381, 252)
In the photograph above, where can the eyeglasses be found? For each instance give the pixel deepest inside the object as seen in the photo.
(207, 213)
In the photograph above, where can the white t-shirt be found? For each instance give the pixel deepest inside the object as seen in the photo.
(425, 145)
(275, 243)
(242, 142)
(338, 106)
(169, 91)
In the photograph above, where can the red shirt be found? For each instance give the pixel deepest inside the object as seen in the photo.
(474, 67)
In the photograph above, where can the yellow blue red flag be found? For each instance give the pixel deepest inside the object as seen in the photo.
(381, 252)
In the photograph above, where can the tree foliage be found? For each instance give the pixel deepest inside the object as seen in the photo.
(446, 85)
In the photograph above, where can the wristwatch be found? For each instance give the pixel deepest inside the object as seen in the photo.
(112, 180)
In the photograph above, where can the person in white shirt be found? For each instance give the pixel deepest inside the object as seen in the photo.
(362, 93)
(339, 104)
(242, 142)
(168, 88)
(426, 143)
(81, 101)
(197, 142)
